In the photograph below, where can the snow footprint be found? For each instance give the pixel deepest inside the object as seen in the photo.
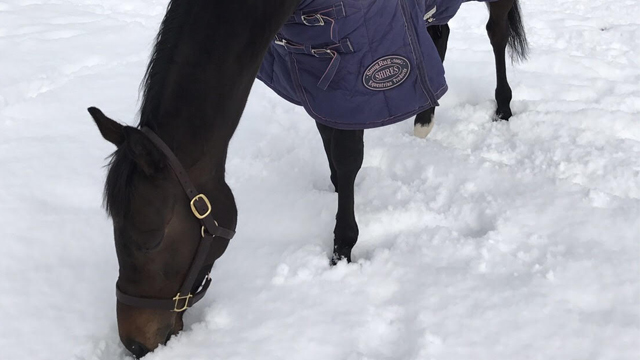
(301, 265)
(381, 337)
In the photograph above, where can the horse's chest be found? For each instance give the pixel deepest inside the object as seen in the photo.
(357, 64)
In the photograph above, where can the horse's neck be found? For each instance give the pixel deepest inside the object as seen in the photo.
(211, 71)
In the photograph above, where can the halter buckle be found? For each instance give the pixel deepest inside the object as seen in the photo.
(195, 211)
(204, 231)
(178, 298)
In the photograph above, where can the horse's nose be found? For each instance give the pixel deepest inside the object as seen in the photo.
(138, 350)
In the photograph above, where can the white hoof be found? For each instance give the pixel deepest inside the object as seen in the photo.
(422, 131)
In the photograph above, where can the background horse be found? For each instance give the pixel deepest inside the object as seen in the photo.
(205, 60)
(505, 28)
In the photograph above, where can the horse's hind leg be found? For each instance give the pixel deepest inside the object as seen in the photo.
(327, 136)
(345, 151)
(424, 120)
(498, 31)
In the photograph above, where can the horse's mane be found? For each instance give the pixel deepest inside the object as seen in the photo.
(167, 40)
(119, 184)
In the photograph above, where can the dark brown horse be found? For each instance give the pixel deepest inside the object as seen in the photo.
(167, 234)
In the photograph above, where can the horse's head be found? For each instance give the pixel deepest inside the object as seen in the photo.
(156, 236)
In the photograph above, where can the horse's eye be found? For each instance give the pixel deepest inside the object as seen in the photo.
(148, 240)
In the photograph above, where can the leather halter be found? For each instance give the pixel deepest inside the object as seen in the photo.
(201, 208)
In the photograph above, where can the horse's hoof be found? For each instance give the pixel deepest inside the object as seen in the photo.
(336, 258)
(502, 115)
(422, 131)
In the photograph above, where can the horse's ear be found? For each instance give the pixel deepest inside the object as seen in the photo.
(150, 159)
(111, 130)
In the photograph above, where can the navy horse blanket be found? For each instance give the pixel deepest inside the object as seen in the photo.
(358, 64)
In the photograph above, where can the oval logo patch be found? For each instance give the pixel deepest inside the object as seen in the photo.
(386, 73)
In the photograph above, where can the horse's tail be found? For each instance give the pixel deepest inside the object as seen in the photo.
(518, 44)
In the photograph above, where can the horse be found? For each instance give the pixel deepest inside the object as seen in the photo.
(505, 29)
(173, 213)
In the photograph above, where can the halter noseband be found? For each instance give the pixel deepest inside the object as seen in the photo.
(201, 208)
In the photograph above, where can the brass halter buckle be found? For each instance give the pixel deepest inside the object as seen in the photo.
(178, 298)
(195, 211)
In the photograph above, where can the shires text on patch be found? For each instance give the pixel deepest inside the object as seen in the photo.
(386, 73)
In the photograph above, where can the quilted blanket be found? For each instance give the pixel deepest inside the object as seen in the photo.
(358, 64)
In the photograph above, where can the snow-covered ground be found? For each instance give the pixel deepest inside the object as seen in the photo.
(493, 241)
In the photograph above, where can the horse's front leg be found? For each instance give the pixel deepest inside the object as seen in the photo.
(424, 121)
(345, 151)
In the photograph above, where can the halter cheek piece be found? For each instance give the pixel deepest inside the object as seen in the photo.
(201, 208)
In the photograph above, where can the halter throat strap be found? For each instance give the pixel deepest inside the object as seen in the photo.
(201, 208)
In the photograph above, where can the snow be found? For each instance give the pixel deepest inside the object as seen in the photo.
(516, 240)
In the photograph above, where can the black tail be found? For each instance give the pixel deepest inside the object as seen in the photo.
(518, 44)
